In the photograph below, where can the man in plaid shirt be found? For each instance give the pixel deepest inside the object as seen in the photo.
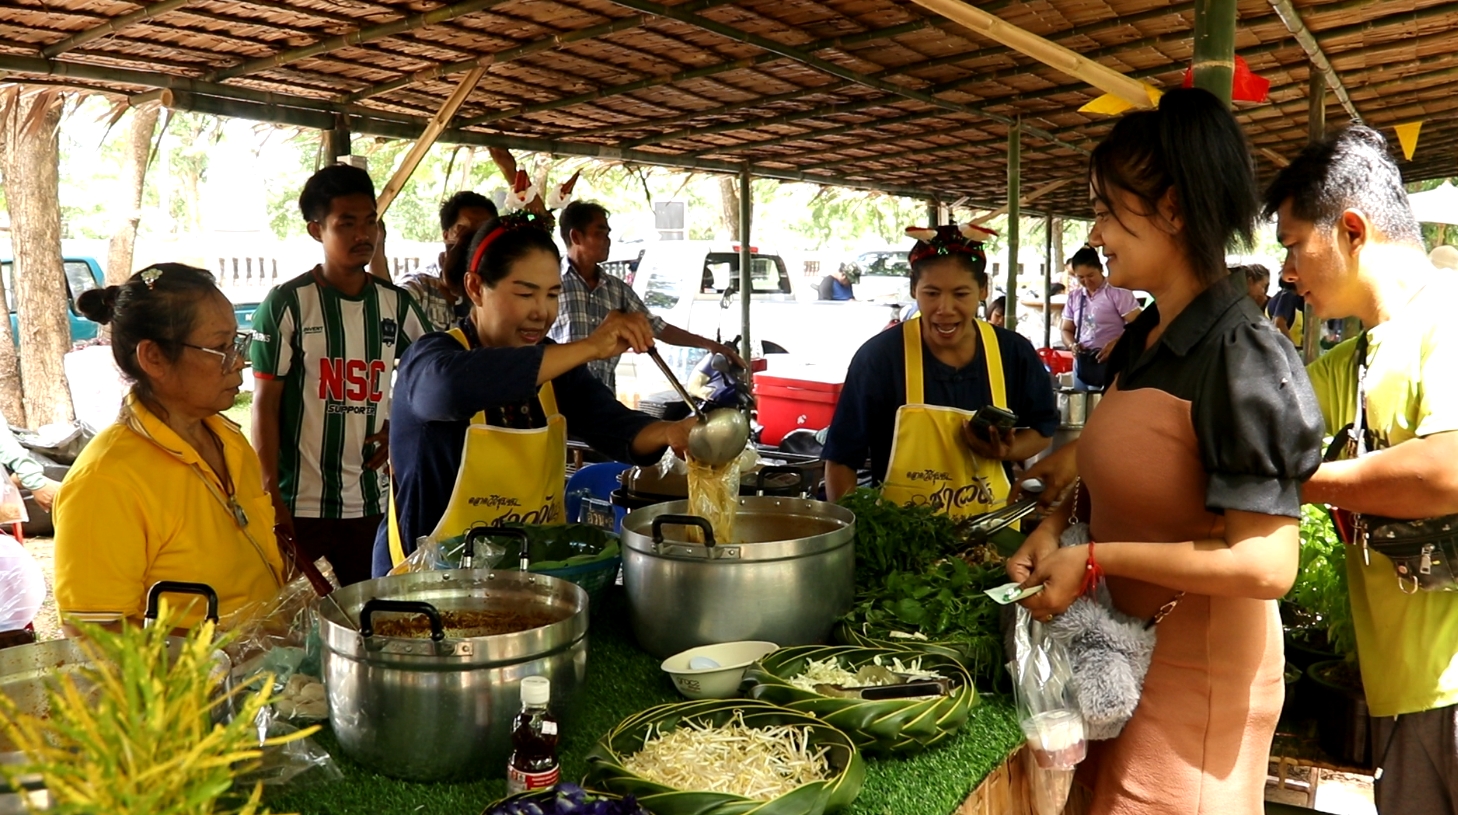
(588, 295)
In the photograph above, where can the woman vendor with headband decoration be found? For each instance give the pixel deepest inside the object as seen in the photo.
(480, 414)
(911, 391)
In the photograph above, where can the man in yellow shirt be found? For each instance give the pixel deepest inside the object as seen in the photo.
(1354, 250)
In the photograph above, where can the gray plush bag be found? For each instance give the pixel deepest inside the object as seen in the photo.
(1110, 652)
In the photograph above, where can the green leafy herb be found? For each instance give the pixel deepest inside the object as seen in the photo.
(1321, 581)
(893, 538)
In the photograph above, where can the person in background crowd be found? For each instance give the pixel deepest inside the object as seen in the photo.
(484, 409)
(1444, 257)
(838, 285)
(1355, 250)
(324, 356)
(997, 312)
(1287, 310)
(910, 393)
(171, 491)
(24, 469)
(1258, 282)
(1094, 319)
(460, 216)
(589, 295)
(1192, 465)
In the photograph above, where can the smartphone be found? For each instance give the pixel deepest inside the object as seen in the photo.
(989, 417)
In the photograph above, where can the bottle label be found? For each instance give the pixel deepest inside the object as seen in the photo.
(549, 728)
(519, 781)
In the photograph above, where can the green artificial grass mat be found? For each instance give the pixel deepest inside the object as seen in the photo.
(622, 680)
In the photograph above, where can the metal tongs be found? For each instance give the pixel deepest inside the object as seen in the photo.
(979, 529)
(901, 685)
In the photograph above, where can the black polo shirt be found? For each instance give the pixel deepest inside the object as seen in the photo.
(1256, 419)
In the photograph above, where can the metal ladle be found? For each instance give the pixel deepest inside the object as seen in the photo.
(720, 436)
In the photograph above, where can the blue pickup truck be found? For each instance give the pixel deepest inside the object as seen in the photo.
(84, 273)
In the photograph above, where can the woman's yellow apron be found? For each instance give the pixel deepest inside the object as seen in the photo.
(506, 475)
(930, 460)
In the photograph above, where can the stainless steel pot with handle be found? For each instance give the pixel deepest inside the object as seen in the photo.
(786, 580)
(413, 697)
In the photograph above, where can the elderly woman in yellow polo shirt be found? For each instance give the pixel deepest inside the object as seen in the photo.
(172, 490)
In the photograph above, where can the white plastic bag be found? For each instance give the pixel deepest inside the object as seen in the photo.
(22, 585)
(12, 506)
(1042, 676)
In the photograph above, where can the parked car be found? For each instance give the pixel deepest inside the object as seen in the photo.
(885, 275)
(695, 286)
(83, 273)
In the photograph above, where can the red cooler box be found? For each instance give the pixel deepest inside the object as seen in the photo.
(791, 397)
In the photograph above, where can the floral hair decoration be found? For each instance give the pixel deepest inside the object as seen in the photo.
(517, 219)
(950, 239)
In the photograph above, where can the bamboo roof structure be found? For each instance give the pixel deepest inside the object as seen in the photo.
(874, 94)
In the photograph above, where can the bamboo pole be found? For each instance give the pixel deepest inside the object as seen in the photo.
(1048, 282)
(1316, 106)
(433, 129)
(408, 23)
(1292, 18)
(1215, 47)
(746, 261)
(1014, 213)
(1045, 51)
(798, 55)
(111, 27)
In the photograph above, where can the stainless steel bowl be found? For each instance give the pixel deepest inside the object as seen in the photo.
(786, 580)
(428, 709)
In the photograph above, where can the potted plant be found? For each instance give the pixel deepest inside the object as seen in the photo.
(1333, 687)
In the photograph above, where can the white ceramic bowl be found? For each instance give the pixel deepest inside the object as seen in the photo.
(721, 682)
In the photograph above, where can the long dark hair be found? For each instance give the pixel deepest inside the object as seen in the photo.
(159, 303)
(1192, 145)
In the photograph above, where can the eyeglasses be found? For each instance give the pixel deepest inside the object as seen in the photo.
(242, 341)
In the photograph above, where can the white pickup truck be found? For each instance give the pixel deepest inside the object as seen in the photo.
(695, 286)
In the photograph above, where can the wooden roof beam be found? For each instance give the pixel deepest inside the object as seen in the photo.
(819, 134)
(111, 27)
(933, 90)
(1319, 62)
(749, 104)
(692, 73)
(411, 22)
(516, 52)
(805, 58)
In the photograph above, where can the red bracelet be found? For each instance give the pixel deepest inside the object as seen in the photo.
(1092, 572)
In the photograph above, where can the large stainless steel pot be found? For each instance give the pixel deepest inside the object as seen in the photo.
(786, 580)
(440, 707)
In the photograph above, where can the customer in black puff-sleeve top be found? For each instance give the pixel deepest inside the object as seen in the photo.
(1192, 466)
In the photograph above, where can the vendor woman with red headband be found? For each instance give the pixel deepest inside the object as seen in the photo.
(480, 414)
(912, 390)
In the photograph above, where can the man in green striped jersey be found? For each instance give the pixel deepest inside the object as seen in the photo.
(324, 351)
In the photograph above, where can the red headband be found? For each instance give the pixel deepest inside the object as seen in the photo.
(507, 222)
(948, 239)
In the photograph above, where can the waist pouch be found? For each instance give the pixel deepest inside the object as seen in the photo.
(1424, 551)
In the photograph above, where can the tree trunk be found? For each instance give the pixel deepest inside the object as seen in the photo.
(12, 408)
(729, 194)
(134, 173)
(32, 174)
(1057, 270)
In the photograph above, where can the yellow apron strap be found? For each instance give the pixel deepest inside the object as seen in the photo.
(915, 389)
(397, 549)
(549, 399)
(911, 340)
(996, 383)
